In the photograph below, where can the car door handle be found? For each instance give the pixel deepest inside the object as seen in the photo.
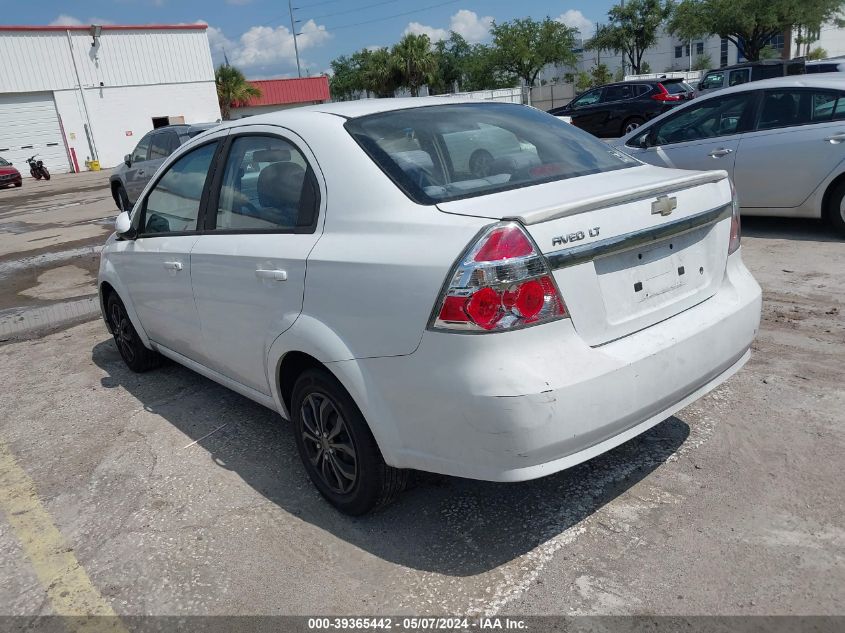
(275, 275)
(836, 138)
(722, 151)
(173, 265)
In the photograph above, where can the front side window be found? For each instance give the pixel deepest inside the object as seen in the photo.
(266, 186)
(163, 144)
(586, 99)
(713, 80)
(446, 152)
(708, 119)
(173, 204)
(140, 152)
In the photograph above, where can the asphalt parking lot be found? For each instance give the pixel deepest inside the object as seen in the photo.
(165, 493)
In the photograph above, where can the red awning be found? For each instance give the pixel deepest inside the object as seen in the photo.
(286, 91)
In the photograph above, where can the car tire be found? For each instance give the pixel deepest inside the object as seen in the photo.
(18, 184)
(337, 448)
(631, 124)
(836, 208)
(132, 350)
(121, 199)
(480, 163)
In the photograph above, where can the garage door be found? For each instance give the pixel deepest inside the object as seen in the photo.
(29, 125)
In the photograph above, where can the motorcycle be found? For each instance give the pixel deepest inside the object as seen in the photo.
(37, 169)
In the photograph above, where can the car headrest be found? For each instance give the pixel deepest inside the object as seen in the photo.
(280, 185)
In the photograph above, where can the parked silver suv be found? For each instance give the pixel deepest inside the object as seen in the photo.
(129, 179)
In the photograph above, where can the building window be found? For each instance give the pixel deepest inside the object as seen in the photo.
(723, 53)
(679, 51)
(686, 48)
(777, 42)
(699, 48)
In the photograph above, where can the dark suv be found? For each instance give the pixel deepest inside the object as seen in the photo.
(129, 179)
(615, 109)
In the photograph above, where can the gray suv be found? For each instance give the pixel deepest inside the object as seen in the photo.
(129, 179)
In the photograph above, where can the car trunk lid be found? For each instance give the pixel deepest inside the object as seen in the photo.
(630, 248)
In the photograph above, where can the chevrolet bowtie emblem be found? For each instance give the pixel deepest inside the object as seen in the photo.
(664, 205)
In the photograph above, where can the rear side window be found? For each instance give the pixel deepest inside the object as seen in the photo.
(675, 87)
(267, 186)
(619, 93)
(786, 108)
(440, 153)
(172, 205)
(737, 77)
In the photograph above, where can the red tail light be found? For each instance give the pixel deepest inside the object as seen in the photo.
(501, 283)
(664, 95)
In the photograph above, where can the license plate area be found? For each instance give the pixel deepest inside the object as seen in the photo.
(652, 276)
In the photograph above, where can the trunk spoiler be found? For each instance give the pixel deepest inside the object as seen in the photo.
(609, 200)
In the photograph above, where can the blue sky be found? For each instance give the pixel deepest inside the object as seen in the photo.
(256, 33)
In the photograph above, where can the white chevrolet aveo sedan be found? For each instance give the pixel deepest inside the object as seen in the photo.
(474, 289)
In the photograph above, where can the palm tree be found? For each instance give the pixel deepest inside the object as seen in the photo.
(415, 61)
(380, 75)
(232, 89)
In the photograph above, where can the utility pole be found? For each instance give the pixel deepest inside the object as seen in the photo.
(295, 45)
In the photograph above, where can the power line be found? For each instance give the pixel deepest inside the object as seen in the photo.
(388, 17)
(353, 10)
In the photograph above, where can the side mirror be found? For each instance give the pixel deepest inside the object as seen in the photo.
(701, 85)
(128, 160)
(123, 225)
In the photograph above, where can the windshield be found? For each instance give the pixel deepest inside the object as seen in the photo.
(440, 153)
(4, 162)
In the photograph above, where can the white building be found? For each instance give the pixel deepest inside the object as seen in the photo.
(73, 93)
(672, 54)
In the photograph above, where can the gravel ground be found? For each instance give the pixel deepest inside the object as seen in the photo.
(177, 496)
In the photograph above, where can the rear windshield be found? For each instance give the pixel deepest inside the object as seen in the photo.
(440, 153)
(675, 87)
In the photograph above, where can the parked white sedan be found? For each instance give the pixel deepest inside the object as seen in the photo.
(782, 141)
(406, 313)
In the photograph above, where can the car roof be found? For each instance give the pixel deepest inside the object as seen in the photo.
(833, 81)
(830, 81)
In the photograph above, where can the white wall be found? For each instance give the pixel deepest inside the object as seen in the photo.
(35, 61)
(115, 111)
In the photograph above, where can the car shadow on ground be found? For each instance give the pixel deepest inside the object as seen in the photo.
(789, 229)
(445, 525)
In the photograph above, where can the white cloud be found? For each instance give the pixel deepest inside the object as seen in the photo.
(68, 20)
(264, 47)
(576, 19)
(415, 28)
(466, 23)
(473, 28)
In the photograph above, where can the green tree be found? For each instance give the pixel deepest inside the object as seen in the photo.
(631, 29)
(232, 89)
(346, 80)
(452, 55)
(522, 47)
(702, 62)
(600, 75)
(379, 74)
(583, 82)
(749, 24)
(817, 53)
(415, 62)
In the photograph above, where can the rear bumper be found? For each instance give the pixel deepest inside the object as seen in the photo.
(521, 405)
